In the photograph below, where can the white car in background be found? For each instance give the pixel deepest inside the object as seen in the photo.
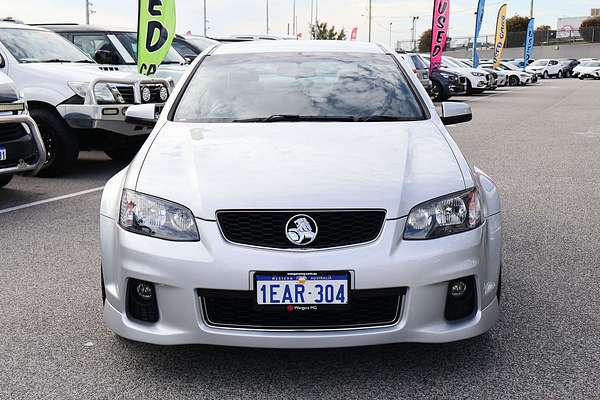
(282, 202)
(514, 77)
(76, 103)
(546, 68)
(478, 80)
(587, 69)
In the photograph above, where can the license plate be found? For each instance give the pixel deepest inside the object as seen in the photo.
(2, 153)
(317, 288)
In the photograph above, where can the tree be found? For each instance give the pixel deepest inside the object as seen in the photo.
(320, 31)
(544, 28)
(517, 24)
(590, 29)
(425, 41)
(516, 30)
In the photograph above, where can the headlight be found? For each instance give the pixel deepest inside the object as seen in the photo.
(477, 74)
(151, 216)
(444, 216)
(80, 88)
(447, 76)
(107, 93)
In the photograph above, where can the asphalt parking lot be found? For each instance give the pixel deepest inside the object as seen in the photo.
(541, 144)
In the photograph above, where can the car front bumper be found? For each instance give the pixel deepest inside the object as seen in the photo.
(178, 270)
(101, 117)
(23, 163)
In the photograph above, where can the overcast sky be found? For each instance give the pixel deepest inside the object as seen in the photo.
(249, 16)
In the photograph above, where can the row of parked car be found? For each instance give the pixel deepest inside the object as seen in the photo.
(458, 77)
(71, 86)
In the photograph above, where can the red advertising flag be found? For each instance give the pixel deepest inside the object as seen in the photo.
(439, 34)
(354, 34)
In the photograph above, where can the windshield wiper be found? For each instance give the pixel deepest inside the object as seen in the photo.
(299, 118)
(383, 118)
(55, 60)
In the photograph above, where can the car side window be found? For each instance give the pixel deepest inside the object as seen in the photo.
(553, 62)
(98, 47)
(183, 49)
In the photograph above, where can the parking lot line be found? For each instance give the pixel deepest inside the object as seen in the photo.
(51, 200)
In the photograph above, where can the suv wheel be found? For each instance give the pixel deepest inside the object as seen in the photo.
(437, 93)
(513, 81)
(546, 75)
(4, 180)
(560, 74)
(62, 146)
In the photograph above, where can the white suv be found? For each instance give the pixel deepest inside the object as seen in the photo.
(546, 68)
(77, 104)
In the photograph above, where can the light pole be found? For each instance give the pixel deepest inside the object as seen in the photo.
(267, 17)
(88, 11)
(414, 32)
(370, 19)
(531, 12)
(391, 34)
(294, 18)
(205, 18)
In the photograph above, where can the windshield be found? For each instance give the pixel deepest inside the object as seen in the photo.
(592, 64)
(129, 41)
(271, 87)
(33, 46)
(419, 62)
(540, 63)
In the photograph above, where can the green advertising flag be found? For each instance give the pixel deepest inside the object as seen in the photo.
(156, 30)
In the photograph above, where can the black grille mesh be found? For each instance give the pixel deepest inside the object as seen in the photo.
(10, 132)
(237, 309)
(127, 94)
(267, 229)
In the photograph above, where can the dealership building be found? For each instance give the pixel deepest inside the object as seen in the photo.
(569, 26)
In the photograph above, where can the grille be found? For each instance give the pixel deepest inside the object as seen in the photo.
(268, 229)
(10, 132)
(127, 94)
(237, 309)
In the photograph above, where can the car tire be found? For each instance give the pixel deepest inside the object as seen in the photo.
(546, 75)
(560, 74)
(513, 81)
(499, 290)
(437, 92)
(5, 180)
(469, 88)
(62, 145)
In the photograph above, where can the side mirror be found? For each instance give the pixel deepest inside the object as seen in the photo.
(455, 113)
(142, 114)
(2, 62)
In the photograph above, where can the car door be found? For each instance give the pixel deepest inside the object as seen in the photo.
(554, 67)
(98, 47)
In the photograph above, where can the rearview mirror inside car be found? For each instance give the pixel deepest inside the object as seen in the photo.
(142, 114)
(455, 113)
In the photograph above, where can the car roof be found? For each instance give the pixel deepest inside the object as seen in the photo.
(281, 46)
(16, 25)
(67, 27)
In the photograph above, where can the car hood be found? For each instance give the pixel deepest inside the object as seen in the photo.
(300, 166)
(73, 72)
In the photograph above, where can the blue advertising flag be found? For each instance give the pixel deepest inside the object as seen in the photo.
(529, 42)
(478, 22)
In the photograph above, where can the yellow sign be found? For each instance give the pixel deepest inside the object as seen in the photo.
(500, 36)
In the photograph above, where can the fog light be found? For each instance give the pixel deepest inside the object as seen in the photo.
(457, 289)
(146, 94)
(164, 93)
(145, 291)
(142, 304)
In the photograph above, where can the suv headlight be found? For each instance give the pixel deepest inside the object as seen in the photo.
(477, 74)
(444, 216)
(105, 93)
(162, 219)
